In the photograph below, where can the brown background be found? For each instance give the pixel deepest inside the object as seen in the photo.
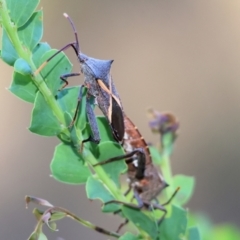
(181, 56)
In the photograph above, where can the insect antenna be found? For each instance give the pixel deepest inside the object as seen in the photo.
(77, 46)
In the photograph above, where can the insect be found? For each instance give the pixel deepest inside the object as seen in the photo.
(99, 84)
(144, 179)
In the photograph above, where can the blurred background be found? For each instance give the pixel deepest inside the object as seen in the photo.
(180, 56)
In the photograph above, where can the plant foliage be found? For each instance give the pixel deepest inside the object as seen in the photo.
(52, 114)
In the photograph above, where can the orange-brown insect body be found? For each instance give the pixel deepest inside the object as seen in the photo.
(152, 182)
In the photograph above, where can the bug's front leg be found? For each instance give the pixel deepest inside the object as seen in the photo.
(65, 77)
(95, 137)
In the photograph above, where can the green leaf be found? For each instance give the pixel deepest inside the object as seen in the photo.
(193, 234)
(43, 120)
(31, 32)
(38, 53)
(67, 165)
(58, 66)
(23, 87)
(156, 156)
(174, 227)
(142, 220)
(82, 113)
(56, 216)
(37, 213)
(67, 99)
(37, 236)
(128, 236)
(42, 236)
(21, 66)
(21, 10)
(186, 185)
(105, 129)
(204, 224)
(107, 150)
(9, 54)
(105, 134)
(52, 226)
(96, 190)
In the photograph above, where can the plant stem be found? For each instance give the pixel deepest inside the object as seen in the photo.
(88, 156)
(11, 30)
(167, 173)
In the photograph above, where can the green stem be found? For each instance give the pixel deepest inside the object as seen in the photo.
(116, 192)
(11, 30)
(167, 174)
(80, 220)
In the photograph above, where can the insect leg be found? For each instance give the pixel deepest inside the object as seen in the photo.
(131, 205)
(171, 198)
(121, 157)
(77, 107)
(73, 45)
(64, 79)
(93, 125)
(161, 206)
(122, 225)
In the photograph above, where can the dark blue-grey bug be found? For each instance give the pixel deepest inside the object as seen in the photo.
(98, 80)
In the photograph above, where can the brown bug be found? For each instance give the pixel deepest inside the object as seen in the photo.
(144, 179)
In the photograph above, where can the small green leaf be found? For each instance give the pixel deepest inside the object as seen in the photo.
(107, 150)
(58, 66)
(52, 226)
(203, 222)
(156, 156)
(96, 190)
(21, 66)
(67, 99)
(67, 165)
(142, 220)
(105, 129)
(38, 52)
(23, 87)
(37, 213)
(56, 216)
(42, 236)
(43, 120)
(193, 234)
(186, 185)
(9, 54)
(128, 236)
(31, 32)
(174, 227)
(82, 113)
(105, 135)
(75, 134)
(21, 10)
(37, 236)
